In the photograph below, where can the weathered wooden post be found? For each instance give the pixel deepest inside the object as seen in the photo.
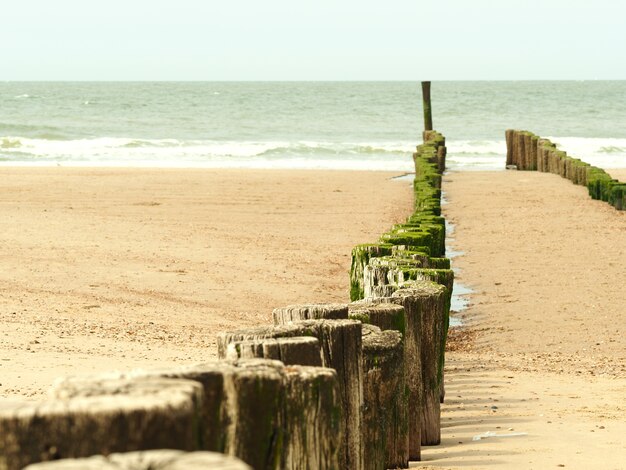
(224, 338)
(385, 410)
(242, 413)
(428, 115)
(300, 350)
(147, 460)
(384, 314)
(361, 255)
(253, 409)
(340, 349)
(313, 419)
(102, 418)
(299, 312)
(510, 153)
(433, 332)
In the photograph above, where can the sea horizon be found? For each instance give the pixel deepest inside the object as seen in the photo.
(359, 125)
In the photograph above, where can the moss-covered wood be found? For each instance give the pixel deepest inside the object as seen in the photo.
(148, 460)
(102, 418)
(385, 415)
(329, 311)
(361, 254)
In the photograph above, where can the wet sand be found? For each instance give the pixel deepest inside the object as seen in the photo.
(106, 269)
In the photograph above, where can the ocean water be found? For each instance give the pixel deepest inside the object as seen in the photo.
(334, 125)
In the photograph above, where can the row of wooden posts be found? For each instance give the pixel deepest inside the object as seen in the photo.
(327, 386)
(526, 151)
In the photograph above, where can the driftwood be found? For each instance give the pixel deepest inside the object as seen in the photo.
(385, 415)
(340, 349)
(292, 313)
(303, 350)
(147, 460)
(116, 416)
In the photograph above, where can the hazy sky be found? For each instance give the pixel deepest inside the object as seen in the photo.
(312, 39)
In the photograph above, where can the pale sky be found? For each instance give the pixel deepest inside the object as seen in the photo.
(312, 39)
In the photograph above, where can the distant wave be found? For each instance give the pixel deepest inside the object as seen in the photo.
(174, 152)
(120, 151)
(35, 131)
(490, 154)
(612, 149)
(602, 152)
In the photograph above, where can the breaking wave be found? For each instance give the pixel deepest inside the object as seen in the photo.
(122, 151)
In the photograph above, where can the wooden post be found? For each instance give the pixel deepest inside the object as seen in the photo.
(299, 312)
(385, 415)
(510, 138)
(386, 316)
(101, 418)
(340, 349)
(304, 350)
(253, 409)
(412, 345)
(224, 338)
(147, 460)
(428, 115)
(313, 419)
(242, 411)
(361, 255)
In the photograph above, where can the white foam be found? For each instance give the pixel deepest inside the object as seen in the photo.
(176, 153)
(601, 152)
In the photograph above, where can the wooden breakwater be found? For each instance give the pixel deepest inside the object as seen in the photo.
(327, 386)
(407, 267)
(526, 151)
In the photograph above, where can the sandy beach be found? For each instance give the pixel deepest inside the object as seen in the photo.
(543, 351)
(108, 269)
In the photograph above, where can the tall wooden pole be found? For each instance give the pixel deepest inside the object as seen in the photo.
(428, 115)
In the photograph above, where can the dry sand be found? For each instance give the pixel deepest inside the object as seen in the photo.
(110, 269)
(544, 351)
(107, 269)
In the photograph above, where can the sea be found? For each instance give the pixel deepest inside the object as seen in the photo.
(301, 125)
